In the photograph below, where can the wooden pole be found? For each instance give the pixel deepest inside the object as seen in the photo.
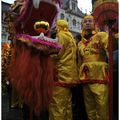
(110, 23)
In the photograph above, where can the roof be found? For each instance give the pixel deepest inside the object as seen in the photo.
(5, 6)
(65, 4)
(64, 1)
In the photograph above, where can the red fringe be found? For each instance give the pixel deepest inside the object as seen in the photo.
(105, 12)
(32, 75)
(72, 84)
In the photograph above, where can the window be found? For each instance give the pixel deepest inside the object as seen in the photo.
(62, 16)
(4, 36)
(74, 22)
(67, 19)
(4, 28)
(79, 25)
(73, 6)
(3, 16)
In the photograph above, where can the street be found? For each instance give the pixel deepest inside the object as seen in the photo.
(17, 113)
(9, 113)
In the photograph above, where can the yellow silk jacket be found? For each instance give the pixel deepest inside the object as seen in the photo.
(66, 68)
(93, 67)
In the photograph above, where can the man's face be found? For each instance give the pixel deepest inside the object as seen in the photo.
(88, 24)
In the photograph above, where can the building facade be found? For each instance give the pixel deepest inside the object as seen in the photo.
(4, 33)
(69, 11)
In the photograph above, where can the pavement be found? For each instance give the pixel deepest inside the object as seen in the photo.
(10, 113)
(17, 113)
(77, 105)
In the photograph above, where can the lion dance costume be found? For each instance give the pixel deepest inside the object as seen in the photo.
(93, 71)
(31, 67)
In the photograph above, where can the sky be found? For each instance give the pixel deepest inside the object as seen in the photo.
(84, 5)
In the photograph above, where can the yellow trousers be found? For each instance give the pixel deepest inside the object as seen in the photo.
(61, 104)
(96, 101)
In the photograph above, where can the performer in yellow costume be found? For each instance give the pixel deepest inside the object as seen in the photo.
(93, 70)
(66, 74)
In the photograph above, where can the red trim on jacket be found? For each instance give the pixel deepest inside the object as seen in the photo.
(94, 81)
(88, 81)
(62, 84)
